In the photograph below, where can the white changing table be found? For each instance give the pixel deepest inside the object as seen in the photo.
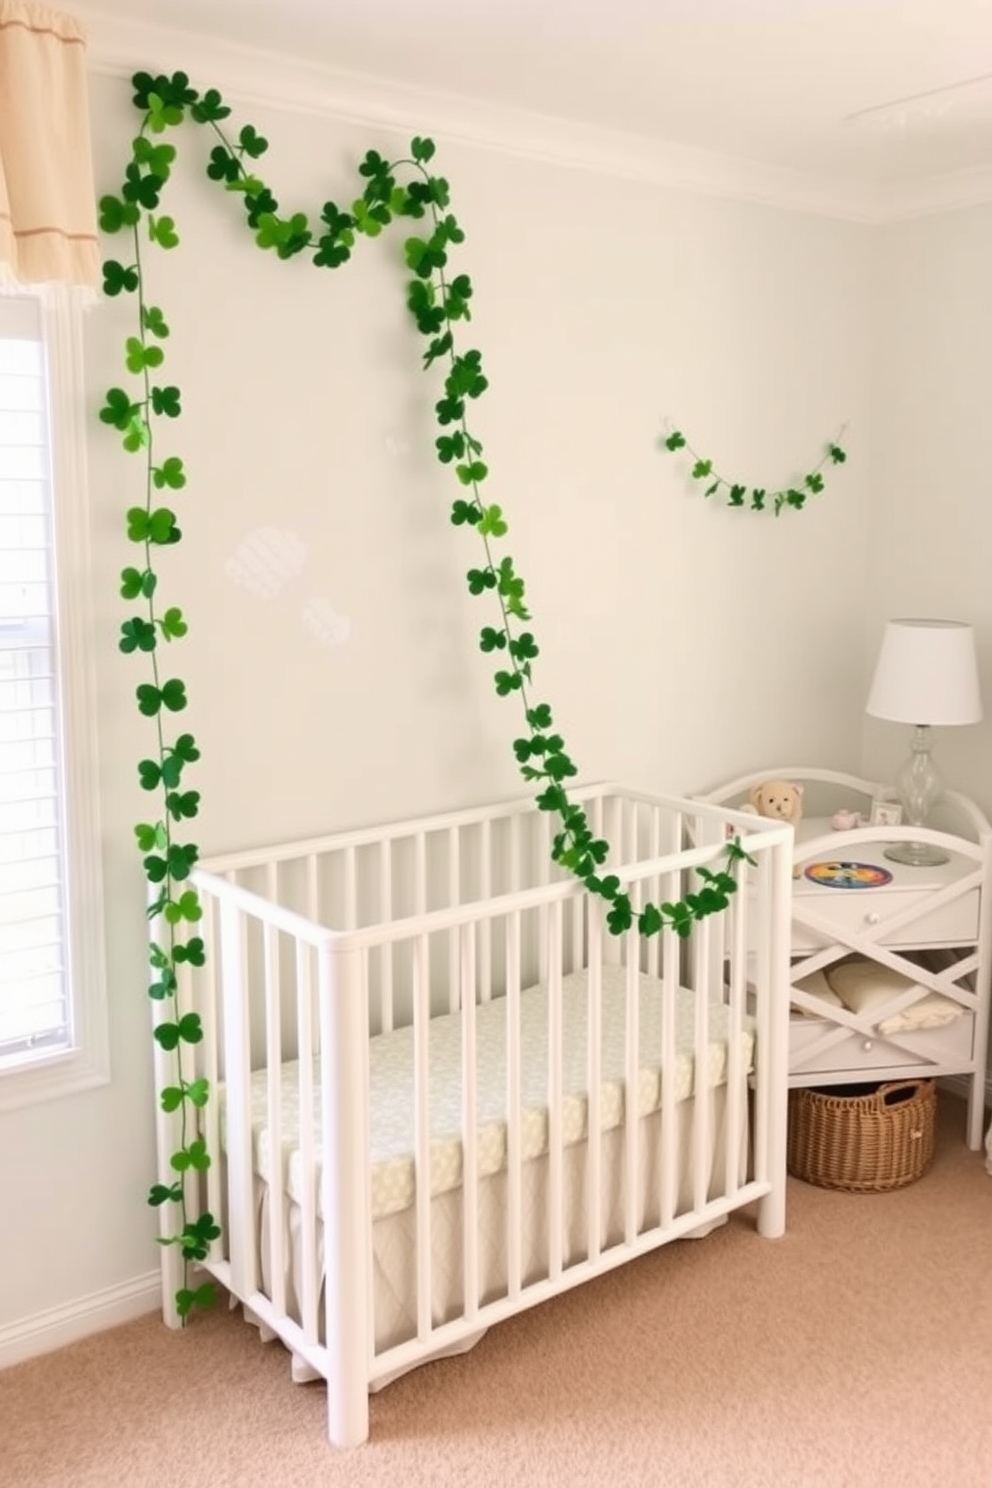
(933, 925)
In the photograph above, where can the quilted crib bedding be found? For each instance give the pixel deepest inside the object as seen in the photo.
(394, 1259)
(392, 1085)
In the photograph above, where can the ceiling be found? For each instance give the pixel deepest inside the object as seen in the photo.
(878, 96)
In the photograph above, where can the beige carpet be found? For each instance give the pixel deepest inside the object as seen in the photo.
(856, 1351)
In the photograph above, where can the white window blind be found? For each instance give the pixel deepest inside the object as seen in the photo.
(35, 995)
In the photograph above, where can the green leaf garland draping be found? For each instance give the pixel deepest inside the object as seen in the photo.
(405, 193)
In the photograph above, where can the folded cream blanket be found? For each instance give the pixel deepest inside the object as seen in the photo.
(861, 986)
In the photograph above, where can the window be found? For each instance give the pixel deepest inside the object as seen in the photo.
(52, 1002)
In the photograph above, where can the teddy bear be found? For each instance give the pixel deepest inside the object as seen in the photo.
(782, 800)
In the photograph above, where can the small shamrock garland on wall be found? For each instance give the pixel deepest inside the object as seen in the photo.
(757, 498)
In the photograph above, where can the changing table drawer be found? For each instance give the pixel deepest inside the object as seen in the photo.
(858, 1052)
(855, 912)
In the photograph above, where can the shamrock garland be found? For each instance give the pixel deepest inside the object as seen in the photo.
(439, 303)
(756, 497)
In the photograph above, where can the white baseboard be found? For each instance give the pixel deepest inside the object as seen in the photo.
(57, 1326)
(961, 1085)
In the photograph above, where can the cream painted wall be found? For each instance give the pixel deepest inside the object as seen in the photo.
(931, 505)
(931, 502)
(683, 641)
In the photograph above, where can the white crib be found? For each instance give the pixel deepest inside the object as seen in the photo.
(437, 997)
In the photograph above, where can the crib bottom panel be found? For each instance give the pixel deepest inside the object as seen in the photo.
(395, 1242)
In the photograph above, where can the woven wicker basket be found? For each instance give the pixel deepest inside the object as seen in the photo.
(862, 1138)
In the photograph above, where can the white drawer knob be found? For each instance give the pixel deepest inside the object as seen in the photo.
(873, 917)
(866, 1045)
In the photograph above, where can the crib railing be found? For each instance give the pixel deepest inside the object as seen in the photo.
(471, 909)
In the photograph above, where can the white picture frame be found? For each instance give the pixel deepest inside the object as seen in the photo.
(885, 813)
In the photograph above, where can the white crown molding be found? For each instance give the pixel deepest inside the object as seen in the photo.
(953, 192)
(119, 47)
(58, 1326)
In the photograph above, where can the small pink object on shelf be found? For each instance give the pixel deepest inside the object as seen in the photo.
(845, 821)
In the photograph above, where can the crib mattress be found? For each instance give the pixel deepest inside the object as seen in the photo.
(391, 1070)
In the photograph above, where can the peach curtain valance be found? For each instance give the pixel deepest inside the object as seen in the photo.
(47, 197)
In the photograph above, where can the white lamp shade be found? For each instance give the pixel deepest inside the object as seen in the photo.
(927, 673)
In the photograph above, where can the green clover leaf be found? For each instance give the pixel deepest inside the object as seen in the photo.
(137, 635)
(139, 356)
(118, 279)
(172, 624)
(115, 214)
(154, 321)
(192, 952)
(186, 750)
(162, 115)
(186, 907)
(149, 774)
(162, 230)
(210, 109)
(161, 1193)
(463, 512)
(141, 189)
(491, 523)
(166, 401)
(118, 409)
(252, 143)
(170, 473)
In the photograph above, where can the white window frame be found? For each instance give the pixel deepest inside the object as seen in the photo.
(51, 1074)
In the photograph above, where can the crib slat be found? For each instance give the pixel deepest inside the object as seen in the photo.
(237, 1075)
(420, 873)
(577, 908)
(470, 1124)
(702, 936)
(514, 1107)
(516, 878)
(456, 979)
(422, 1128)
(668, 1145)
(542, 830)
(594, 1088)
(736, 1071)
(652, 890)
(774, 888)
(273, 1082)
(312, 899)
(386, 1011)
(761, 980)
(313, 863)
(345, 1187)
(350, 888)
(485, 929)
(204, 996)
(632, 1113)
(555, 1097)
(305, 995)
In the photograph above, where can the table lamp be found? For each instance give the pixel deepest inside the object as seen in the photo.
(926, 675)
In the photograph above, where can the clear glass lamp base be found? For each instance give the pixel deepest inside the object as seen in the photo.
(920, 786)
(915, 854)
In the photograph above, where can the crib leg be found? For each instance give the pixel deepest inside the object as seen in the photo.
(347, 1414)
(171, 1267)
(771, 1208)
(345, 1193)
(771, 1214)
